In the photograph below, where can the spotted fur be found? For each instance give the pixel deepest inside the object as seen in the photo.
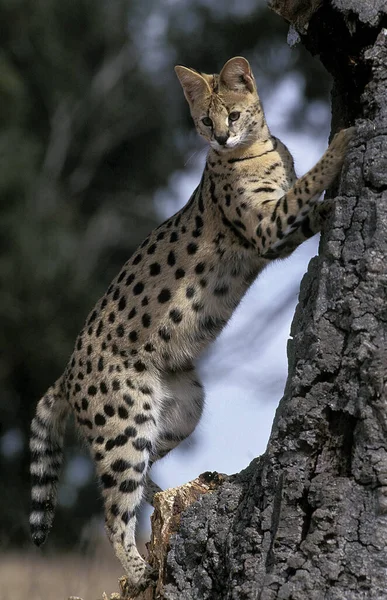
(131, 381)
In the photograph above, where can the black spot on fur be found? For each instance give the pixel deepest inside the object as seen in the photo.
(132, 313)
(138, 288)
(176, 315)
(192, 248)
(141, 419)
(128, 399)
(120, 465)
(190, 292)
(171, 260)
(142, 444)
(122, 412)
(133, 336)
(139, 467)
(122, 303)
(146, 320)
(120, 440)
(164, 334)
(131, 432)
(108, 481)
(139, 366)
(164, 296)
(152, 249)
(128, 486)
(154, 269)
(99, 419)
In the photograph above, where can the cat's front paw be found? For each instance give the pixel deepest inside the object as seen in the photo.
(323, 210)
(339, 145)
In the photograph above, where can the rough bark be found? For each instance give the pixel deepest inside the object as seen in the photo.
(308, 519)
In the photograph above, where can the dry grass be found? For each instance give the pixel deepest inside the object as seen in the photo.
(35, 577)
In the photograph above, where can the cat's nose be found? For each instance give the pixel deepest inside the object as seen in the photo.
(221, 139)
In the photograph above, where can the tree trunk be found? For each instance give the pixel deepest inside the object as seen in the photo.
(308, 519)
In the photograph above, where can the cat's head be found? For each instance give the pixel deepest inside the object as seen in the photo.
(225, 107)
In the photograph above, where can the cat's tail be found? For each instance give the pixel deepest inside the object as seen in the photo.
(46, 445)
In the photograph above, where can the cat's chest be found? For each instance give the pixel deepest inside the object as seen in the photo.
(236, 182)
(229, 189)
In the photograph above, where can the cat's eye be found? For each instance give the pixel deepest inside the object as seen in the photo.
(234, 115)
(207, 121)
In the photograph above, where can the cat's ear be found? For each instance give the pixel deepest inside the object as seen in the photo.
(236, 75)
(193, 84)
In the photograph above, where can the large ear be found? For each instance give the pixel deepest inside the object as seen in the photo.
(236, 75)
(193, 84)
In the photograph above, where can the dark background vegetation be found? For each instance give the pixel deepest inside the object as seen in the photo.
(92, 123)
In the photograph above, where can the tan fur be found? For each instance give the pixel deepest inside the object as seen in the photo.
(131, 380)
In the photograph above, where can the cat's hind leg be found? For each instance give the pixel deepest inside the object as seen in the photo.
(182, 407)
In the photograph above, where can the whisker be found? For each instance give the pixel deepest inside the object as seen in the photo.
(191, 157)
(197, 152)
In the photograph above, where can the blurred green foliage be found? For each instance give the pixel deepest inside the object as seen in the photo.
(92, 123)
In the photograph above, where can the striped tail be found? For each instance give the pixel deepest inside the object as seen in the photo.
(46, 445)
